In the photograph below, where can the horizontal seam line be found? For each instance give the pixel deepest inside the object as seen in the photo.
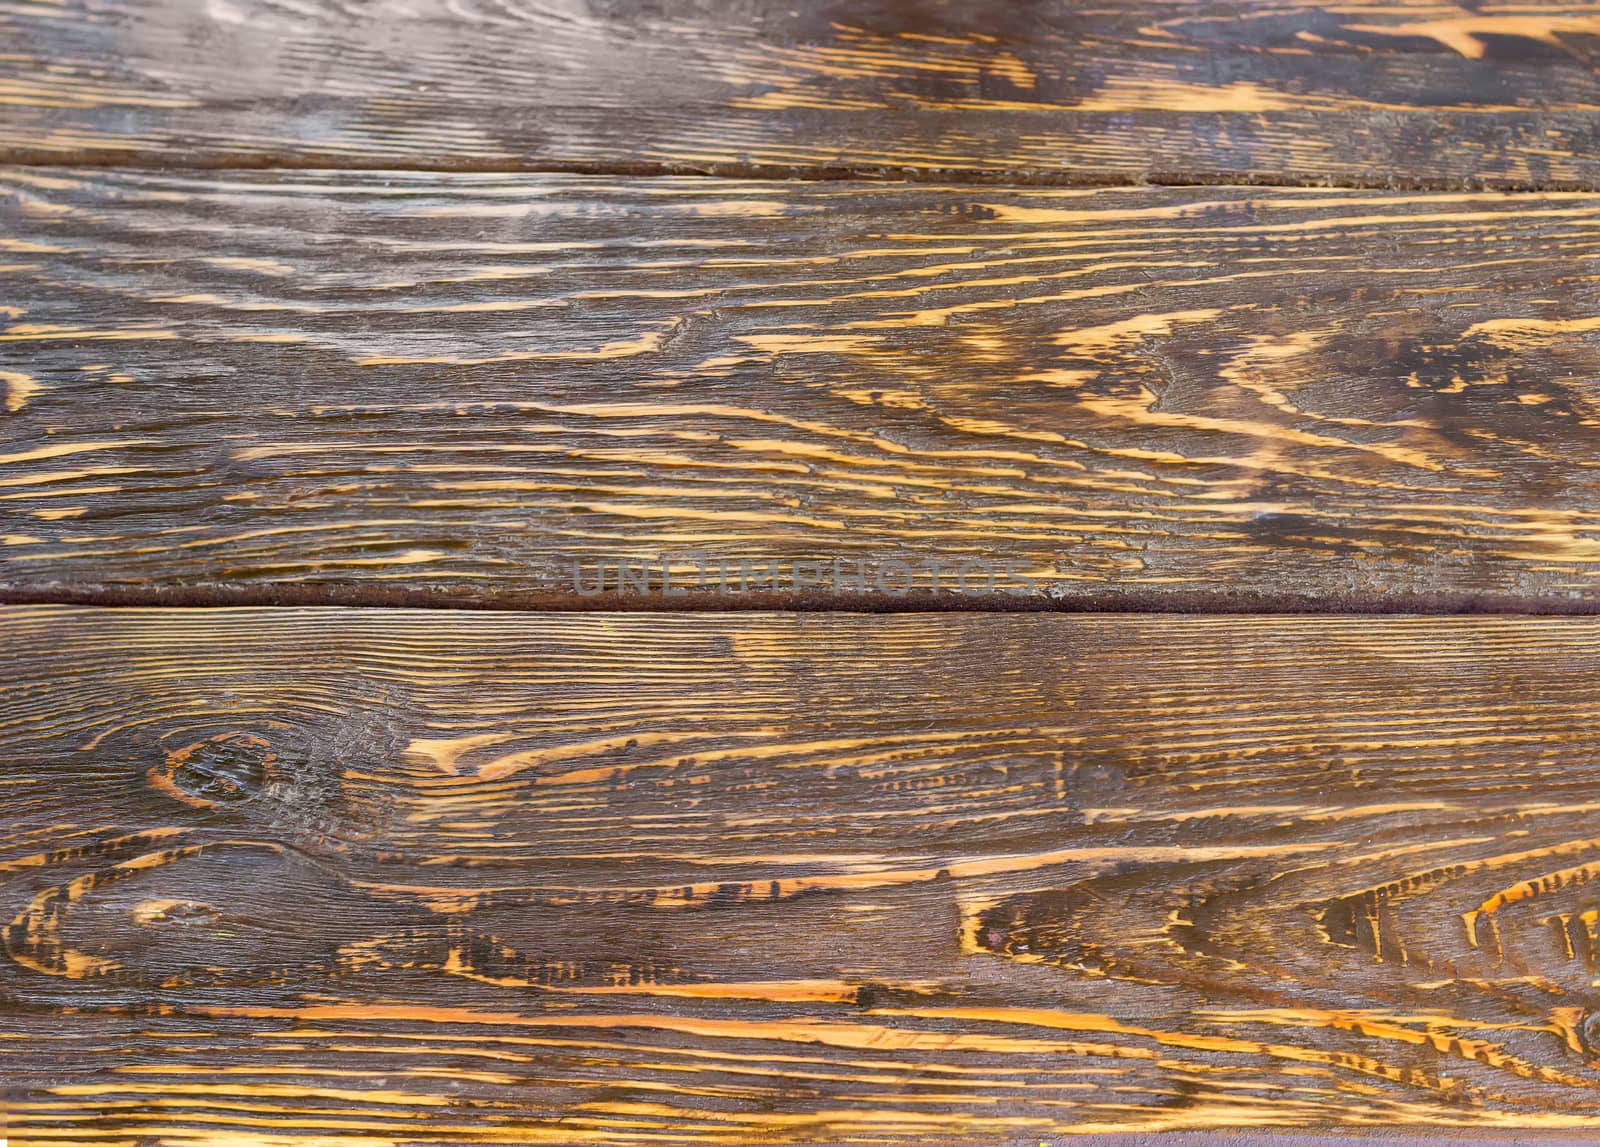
(1017, 177)
(1209, 602)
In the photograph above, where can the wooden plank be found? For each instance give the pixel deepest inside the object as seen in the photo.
(1378, 91)
(420, 877)
(492, 389)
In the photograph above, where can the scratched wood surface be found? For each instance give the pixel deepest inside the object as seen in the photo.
(1381, 91)
(411, 877)
(487, 388)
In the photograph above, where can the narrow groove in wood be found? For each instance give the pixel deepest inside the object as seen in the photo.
(1185, 602)
(1021, 177)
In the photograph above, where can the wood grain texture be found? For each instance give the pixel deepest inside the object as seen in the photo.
(461, 385)
(419, 877)
(1385, 91)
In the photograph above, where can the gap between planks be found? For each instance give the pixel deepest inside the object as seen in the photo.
(1022, 177)
(1198, 603)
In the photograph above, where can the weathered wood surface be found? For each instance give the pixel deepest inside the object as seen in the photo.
(421, 876)
(461, 385)
(1387, 91)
